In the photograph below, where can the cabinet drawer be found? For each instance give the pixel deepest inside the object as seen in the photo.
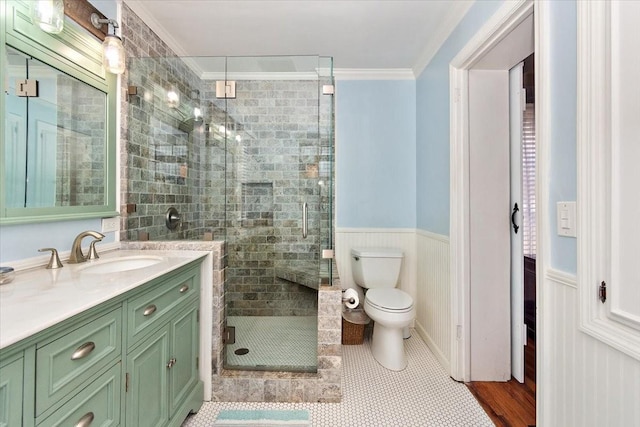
(97, 405)
(68, 362)
(147, 311)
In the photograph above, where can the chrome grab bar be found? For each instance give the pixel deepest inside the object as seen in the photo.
(305, 209)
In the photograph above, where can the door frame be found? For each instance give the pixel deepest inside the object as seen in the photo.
(506, 18)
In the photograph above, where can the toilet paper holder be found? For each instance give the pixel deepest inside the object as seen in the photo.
(350, 298)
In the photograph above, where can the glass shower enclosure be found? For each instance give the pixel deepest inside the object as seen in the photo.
(242, 147)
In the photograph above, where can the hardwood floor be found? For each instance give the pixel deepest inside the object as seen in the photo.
(511, 404)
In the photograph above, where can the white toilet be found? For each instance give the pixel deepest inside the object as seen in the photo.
(392, 310)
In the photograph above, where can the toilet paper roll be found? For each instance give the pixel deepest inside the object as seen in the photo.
(350, 298)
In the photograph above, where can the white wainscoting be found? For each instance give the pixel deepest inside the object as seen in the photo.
(425, 276)
(587, 383)
(433, 319)
(401, 238)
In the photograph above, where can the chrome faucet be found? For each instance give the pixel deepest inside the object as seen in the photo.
(76, 248)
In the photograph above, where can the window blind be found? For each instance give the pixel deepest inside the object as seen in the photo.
(529, 180)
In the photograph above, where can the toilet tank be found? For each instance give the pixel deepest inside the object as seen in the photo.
(376, 267)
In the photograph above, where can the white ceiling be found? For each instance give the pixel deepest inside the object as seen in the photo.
(358, 34)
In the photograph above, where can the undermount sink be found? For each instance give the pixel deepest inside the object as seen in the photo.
(117, 265)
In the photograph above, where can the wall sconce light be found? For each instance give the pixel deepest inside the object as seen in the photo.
(173, 97)
(49, 15)
(113, 55)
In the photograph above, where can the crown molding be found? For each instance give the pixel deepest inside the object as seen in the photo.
(458, 10)
(140, 8)
(373, 74)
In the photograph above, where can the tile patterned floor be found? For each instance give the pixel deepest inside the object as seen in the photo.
(421, 395)
(287, 342)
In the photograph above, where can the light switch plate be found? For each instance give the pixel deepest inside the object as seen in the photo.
(110, 224)
(566, 222)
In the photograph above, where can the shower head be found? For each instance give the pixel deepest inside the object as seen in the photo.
(189, 124)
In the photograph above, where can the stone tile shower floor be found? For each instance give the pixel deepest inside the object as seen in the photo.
(421, 395)
(286, 342)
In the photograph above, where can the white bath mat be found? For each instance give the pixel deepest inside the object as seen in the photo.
(238, 418)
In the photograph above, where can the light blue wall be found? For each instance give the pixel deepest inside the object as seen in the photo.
(563, 83)
(375, 154)
(432, 118)
(23, 241)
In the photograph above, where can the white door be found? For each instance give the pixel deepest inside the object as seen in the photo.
(517, 105)
(489, 222)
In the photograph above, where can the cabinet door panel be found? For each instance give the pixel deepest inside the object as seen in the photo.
(183, 375)
(147, 401)
(11, 394)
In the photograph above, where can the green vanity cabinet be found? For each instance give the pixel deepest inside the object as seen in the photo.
(65, 363)
(147, 403)
(98, 404)
(162, 364)
(163, 371)
(11, 392)
(130, 361)
(184, 374)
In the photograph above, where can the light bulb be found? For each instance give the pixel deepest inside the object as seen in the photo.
(173, 98)
(49, 15)
(113, 56)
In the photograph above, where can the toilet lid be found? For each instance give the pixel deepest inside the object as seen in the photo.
(390, 299)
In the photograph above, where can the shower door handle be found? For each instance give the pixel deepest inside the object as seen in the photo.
(305, 210)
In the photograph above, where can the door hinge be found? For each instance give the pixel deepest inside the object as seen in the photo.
(229, 335)
(226, 89)
(126, 382)
(27, 88)
(602, 291)
(198, 315)
(197, 362)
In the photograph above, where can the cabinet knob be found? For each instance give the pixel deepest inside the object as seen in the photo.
(184, 288)
(149, 310)
(86, 420)
(172, 362)
(83, 351)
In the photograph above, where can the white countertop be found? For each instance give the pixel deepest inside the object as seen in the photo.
(39, 298)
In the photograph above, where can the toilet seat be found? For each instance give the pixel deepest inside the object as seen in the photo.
(390, 300)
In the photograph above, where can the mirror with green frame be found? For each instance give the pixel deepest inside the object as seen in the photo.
(57, 152)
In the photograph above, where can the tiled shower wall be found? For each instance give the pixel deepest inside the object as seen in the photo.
(167, 162)
(80, 144)
(274, 164)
